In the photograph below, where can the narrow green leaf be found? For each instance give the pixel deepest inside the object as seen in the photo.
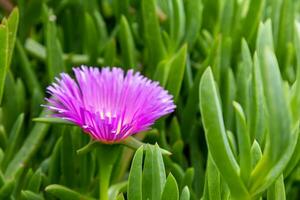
(213, 121)
(185, 194)
(295, 99)
(152, 35)
(39, 52)
(110, 52)
(127, 44)
(54, 165)
(29, 16)
(278, 114)
(228, 95)
(134, 191)
(10, 106)
(294, 160)
(1, 157)
(116, 189)
(264, 175)
(252, 19)
(2, 180)
(205, 195)
(36, 49)
(175, 169)
(178, 19)
(3, 57)
(161, 73)
(213, 180)
(8, 31)
(65, 193)
(170, 190)
(275, 16)
(87, 148)
(285, 33)
(52, 120)
(28, 149)
(244, 143)
(232, 143)
(215, 134)
(101, 28)
(153, 173)
(29, 195)
(188, 178)
(264, 38)
(226, 17)
(175, 132)
(67, 157)
(189, 111)
(12, 23)
(177, 151)
(277, 190)
(37, 99)
(120, 8)
(257, 126)
(90, 38)
(7, 189)
(27, 177)
(55, 64)
(20, 96)
(14, 138)
(193, 11)
(3, 137)
(159, 173)
(177, 69)
(256, 153)
(35, 182)
(244, 78)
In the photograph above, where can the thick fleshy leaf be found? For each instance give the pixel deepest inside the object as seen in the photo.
(55, 63)
(185, 194)
(29, 195)
(193, 11)
(8, 31)
(65, 193)
(14, 139)
(243, 143)
(127, 44)
(177, 69)
(213, 180)
(215, 134)
(277, 190)
(170, 190)
(134, 191)
(28, 149)
(152, 35)
(154, 176)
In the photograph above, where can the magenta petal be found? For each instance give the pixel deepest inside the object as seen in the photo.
(107, 103)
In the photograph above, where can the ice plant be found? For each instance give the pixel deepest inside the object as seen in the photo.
(108, 104)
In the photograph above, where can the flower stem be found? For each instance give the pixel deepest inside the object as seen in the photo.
(107, 155)
(105, 173)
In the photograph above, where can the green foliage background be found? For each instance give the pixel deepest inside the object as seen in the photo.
(232, 66)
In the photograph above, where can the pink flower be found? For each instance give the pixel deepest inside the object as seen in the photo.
(107, 104)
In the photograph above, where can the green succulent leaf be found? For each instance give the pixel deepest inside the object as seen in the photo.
(134, 191)
(8, 31)
(170, 190)
(216, 135)
(65, 193)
